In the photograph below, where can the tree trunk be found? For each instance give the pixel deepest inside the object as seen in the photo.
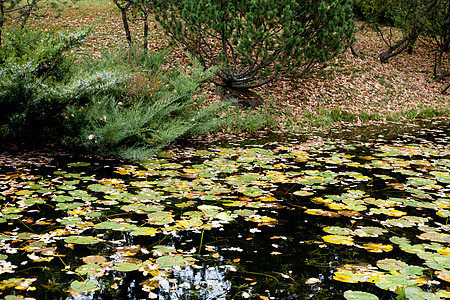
(145, 13)
(27, 13)
(126, 27)
(417, 28)
(399, 47)
(411, 45)
(123, 10)
(438, 59)
(2, 19)
(445, 90)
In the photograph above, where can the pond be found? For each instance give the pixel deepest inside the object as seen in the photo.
(356, 214)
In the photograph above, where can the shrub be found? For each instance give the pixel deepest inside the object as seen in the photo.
(136, 125)
(255, 42)
(38, 80)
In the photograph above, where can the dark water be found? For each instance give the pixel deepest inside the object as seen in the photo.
(221, 221)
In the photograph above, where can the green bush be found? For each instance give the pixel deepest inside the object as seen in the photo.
(137, 124)
(124, 104)
(255, 42)
(38, 79)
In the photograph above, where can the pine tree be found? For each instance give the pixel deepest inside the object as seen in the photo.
(256, 41)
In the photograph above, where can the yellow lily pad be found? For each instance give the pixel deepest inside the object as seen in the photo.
(338, 239)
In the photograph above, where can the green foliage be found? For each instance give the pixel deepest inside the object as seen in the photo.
(254, 42)
(136, 125)
(38, 79)
(265, 117)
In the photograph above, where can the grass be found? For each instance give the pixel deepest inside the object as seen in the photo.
(94, 3)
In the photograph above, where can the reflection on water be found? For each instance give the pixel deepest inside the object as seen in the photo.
(304, 218)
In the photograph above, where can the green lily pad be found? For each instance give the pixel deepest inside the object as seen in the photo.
(67, 206)
(224, 216)
(125, 267)
(88, 269)
(416, 293)
(244, 212)
(435, 237)
(144, 231)
(170, 261)
(390, 264)
(13, 297)
(191, 222)
(302, 193)
(338, 230)
(419, 181)
(394, 282)
(82, 240)
(84, 286)
(357, 295)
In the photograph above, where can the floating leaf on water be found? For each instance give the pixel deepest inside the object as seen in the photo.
(96, 187)
(210, 209)
(244, 212)
(18, 283)
(419, 181)
(84, 286)
(394, 282)
(97, 259)
(399, 240)
(443, 294)
(320, 212)
(370, 231)
(224, 216)
(67, 206)
(91, 269)
(302, 193)
(443, 250)
(338, 239)
(142, 208)
(338, 230)
(13, 297)
(377, 247)
(444, 275)
(435, 237)
(161, 250)
(191, 222)
(355, 276)
(33, 201)
(416, 293)
(388, 211)
(357, 295)
(125, 267)
(390, 264)
(412, 271)
(82, 240)
(170, 261)
(443, 213)
(160, 218)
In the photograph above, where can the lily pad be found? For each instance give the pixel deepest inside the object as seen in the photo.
(82, 240)
(390, 264)
(125, 267)
(357, 295)
(84, 286)
(170, 261)
(338, 239)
